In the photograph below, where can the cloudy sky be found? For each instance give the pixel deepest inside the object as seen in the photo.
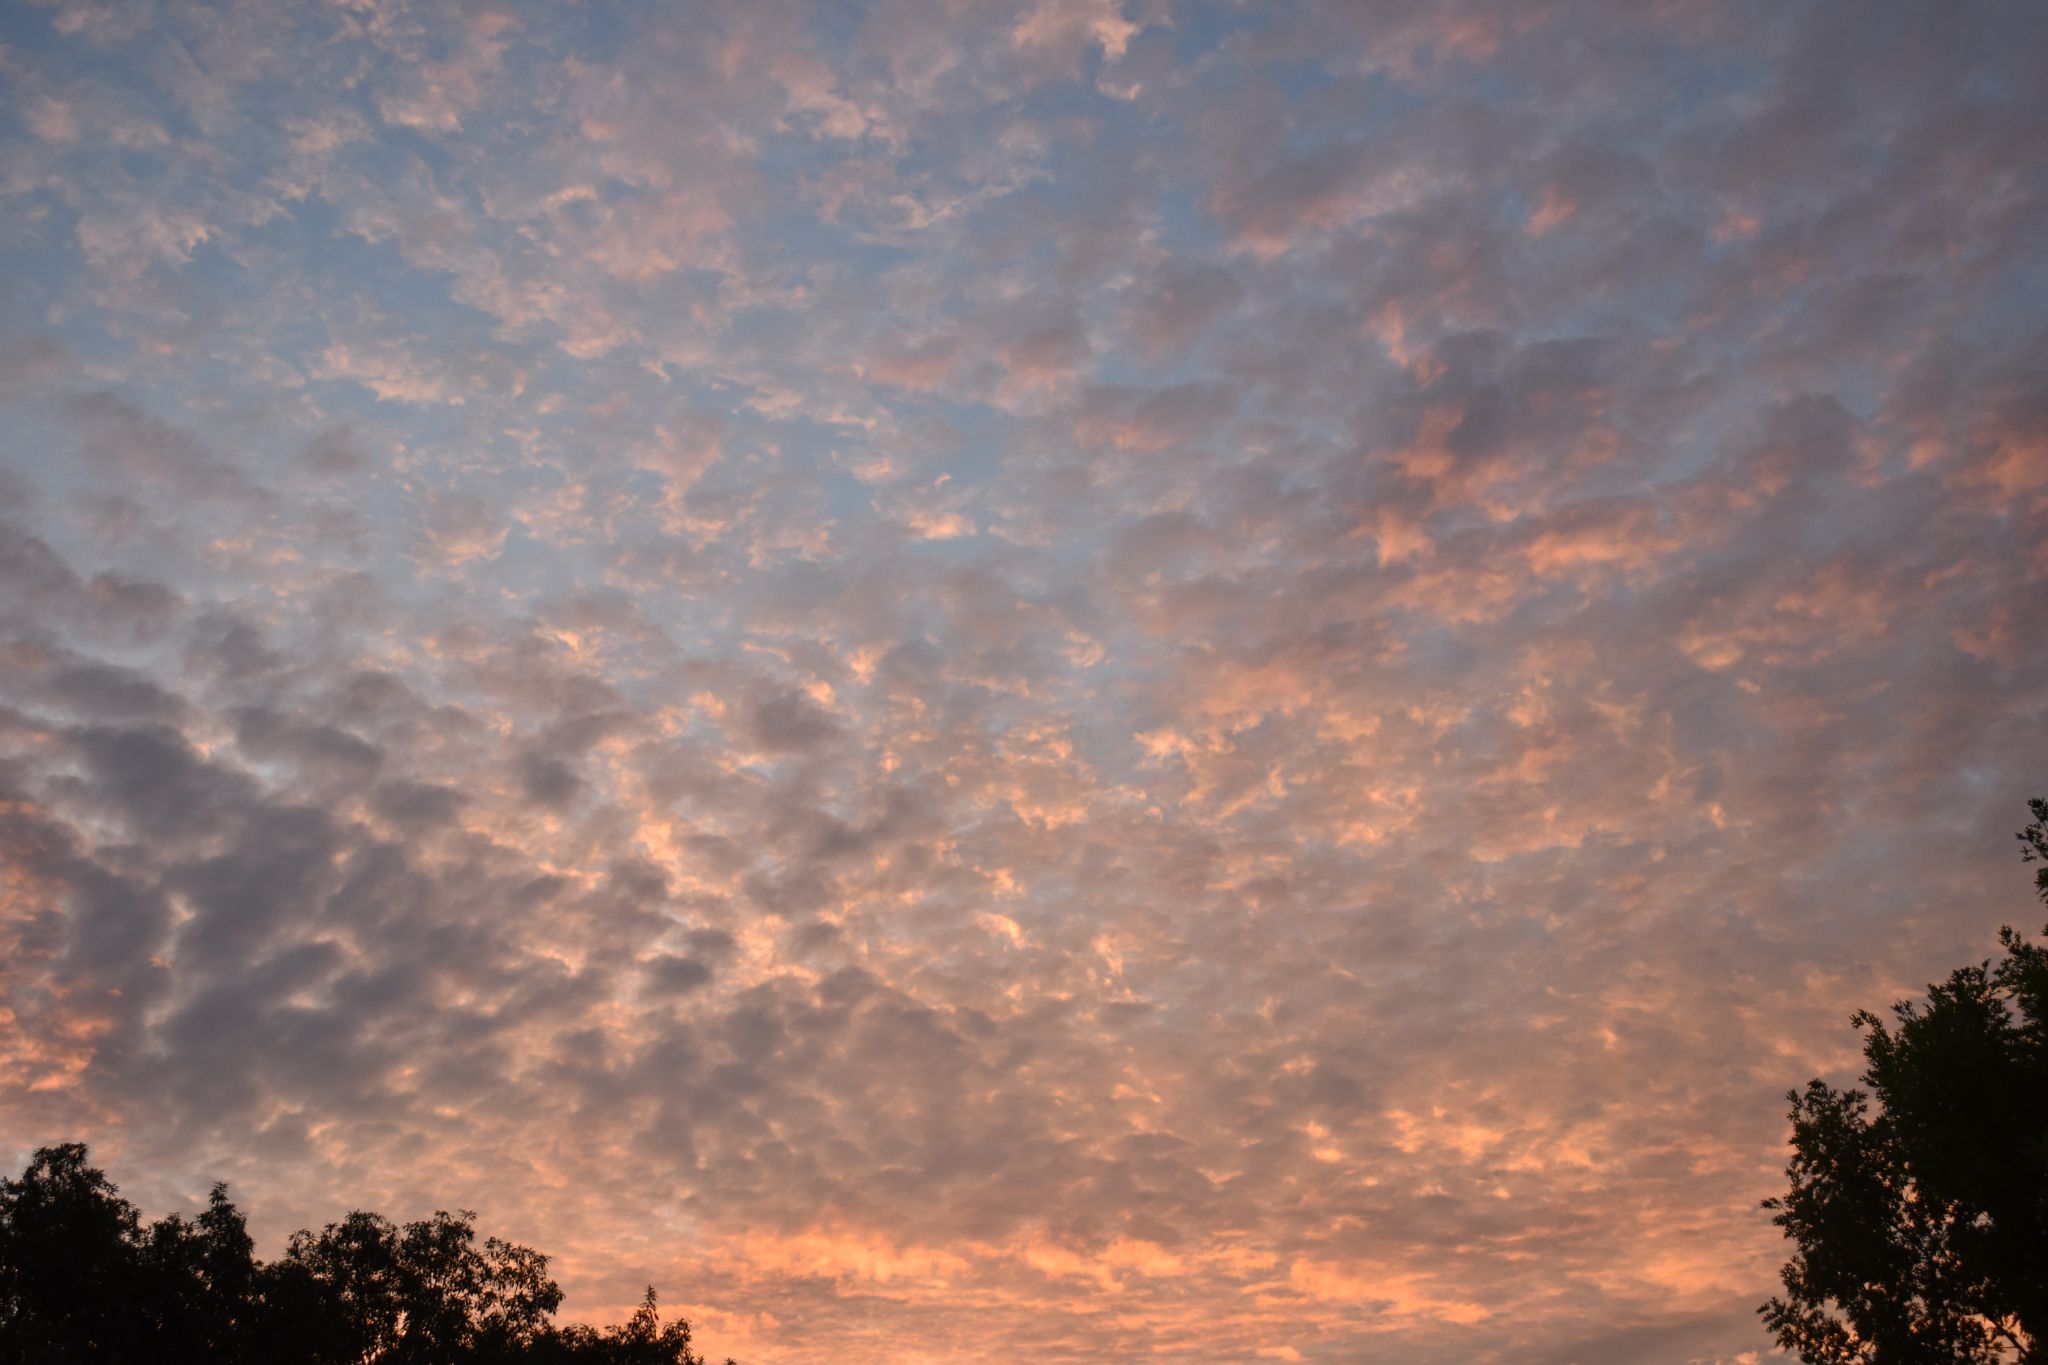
(1075, 680)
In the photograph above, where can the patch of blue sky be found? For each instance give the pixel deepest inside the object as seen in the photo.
(2009, 312)
(1202, 28)
(1327, 108)
(364, 270)
(32, 32)
(29, 28)
(39, 447)
(45, 274)
(1693, 80)
(794, 233)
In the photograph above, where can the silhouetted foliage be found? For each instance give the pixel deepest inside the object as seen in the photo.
(82, 1280)
(1922, 1224)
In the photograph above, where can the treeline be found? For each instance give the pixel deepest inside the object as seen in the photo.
(83, 1279)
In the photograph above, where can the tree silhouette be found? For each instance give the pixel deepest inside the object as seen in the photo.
(1922, 1226)
(203, 1275)
(643, 1339)
(69, 1263)
(423, 1292)
(82, 1280)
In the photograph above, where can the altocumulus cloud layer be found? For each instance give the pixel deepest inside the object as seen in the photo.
(1088, 679)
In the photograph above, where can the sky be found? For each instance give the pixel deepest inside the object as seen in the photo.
(1079, 680)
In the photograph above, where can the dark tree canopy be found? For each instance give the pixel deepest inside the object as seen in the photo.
(83, 1280)
(1920, 1208)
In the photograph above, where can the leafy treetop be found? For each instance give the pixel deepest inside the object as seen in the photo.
(1921, 1225)
(83, 1280)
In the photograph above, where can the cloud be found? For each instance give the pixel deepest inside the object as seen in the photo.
(1090, 679)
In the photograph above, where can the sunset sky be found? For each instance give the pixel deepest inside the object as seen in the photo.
(1067, 681)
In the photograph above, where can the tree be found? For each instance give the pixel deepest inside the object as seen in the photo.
(365, 1289)
(643, 1339)
(1921, 1225)
(83, 1281)
(199, 1281)
(69, 1248)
